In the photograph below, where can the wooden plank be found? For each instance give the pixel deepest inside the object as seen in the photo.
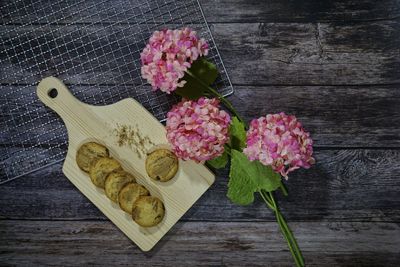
(199, 243)
(305, 54)
(254, 53)
(348, 116)
(304, 11)
(344, 185)
(217, 11)
(336, 116)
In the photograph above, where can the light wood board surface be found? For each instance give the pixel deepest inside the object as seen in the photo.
(86, 123)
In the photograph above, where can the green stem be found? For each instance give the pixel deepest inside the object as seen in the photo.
(292, 239)
(283, 189)
(289, 235)
(272, 205)
(266, 200)
(286, 232)
(214, 92)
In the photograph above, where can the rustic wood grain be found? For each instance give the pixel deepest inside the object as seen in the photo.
(199, 243)
(254, 53)
(225, 10)
(329, 54)
(344, 185)
(348, 116)
(299, 11)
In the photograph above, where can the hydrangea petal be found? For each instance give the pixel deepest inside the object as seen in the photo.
(279, 140)
(168, 55)
(197, 130)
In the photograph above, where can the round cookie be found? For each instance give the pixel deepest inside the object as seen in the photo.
(115, 181)
(101, 168)
(148, 211)
(162, 165)
(89, 152)
(129, 194)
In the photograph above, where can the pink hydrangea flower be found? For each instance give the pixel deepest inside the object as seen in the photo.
(280, 141)
(198, 130)
(168, 55)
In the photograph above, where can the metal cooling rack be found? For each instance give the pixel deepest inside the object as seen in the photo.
(94, 47)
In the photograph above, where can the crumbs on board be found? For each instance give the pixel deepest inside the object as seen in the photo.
(128, 135)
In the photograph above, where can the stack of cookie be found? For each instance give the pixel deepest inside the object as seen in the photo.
(121, 187)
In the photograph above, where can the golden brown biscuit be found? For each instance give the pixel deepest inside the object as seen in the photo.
(162, 165)
(148, 211)
(115, 181)
(101, 168)
(89, 152)
(129, 194)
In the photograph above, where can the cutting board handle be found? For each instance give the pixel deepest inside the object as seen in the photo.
(54, 94)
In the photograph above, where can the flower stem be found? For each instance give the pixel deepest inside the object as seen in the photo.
(269, 199)
(266, 200)
(283, 189)
(214, 92)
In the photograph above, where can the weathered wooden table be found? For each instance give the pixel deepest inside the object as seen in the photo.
(336, 65)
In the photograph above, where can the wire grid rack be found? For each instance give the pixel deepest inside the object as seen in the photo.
(94, 47)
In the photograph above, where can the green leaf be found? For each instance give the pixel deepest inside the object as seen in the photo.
(237, 133)
(248, 177)
(221, 161)
(204, 72)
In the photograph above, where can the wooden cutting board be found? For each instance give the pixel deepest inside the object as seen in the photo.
(99, 123)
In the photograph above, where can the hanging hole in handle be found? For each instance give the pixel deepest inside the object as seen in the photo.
(52, 93)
